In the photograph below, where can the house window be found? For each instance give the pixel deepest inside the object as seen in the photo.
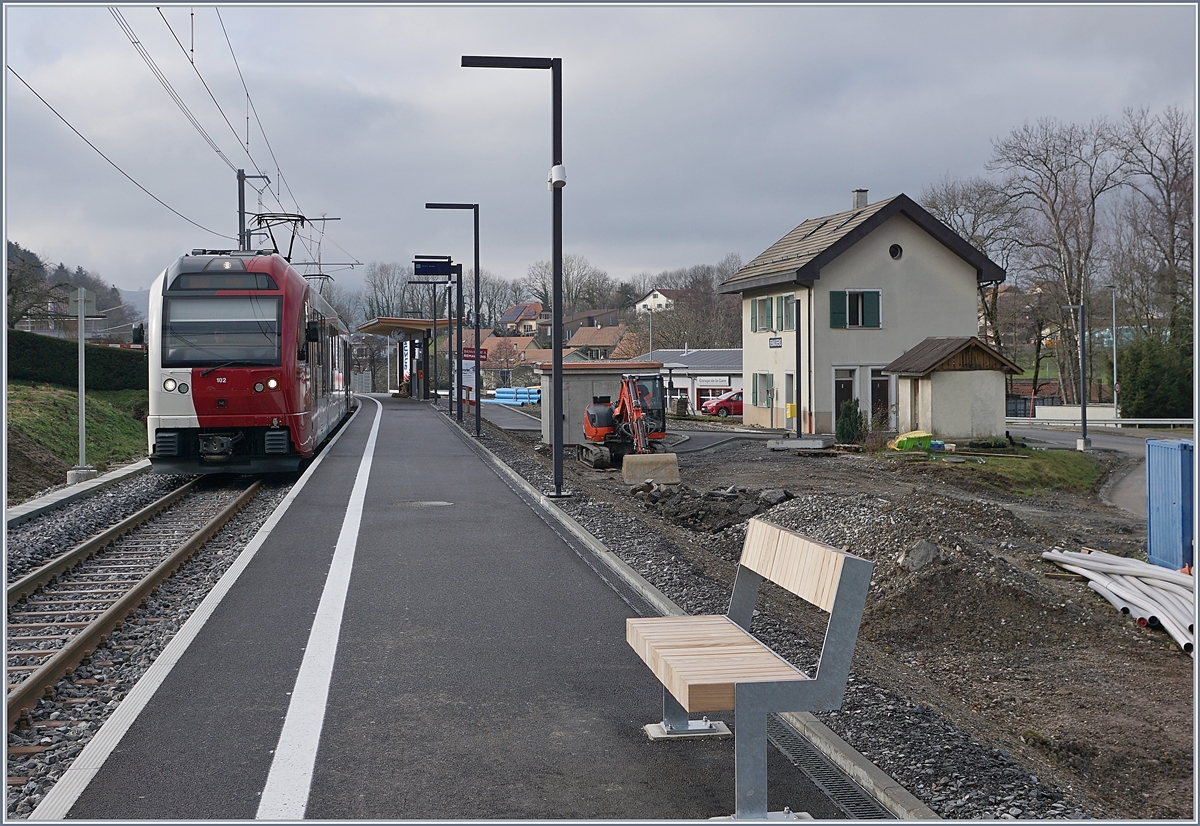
(854, 308)
(764, 389)
(761, 311)
(788, 312)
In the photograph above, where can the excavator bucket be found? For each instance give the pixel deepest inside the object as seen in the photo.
(662, 468)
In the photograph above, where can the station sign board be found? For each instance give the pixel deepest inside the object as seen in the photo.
(432, 268)
(469, 354)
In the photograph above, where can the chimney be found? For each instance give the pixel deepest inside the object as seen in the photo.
(860, 198)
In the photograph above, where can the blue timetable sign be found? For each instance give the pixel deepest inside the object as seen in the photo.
(432, 268)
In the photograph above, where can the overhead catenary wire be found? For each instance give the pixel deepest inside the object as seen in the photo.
(112, 163)
(245, 147)
(166, 84)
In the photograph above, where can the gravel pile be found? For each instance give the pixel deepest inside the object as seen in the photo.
(35, 542)
(88, 697)
(944, 767)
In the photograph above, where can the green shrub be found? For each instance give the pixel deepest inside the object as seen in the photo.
(56, 361)
(851, 424)
(1156, 378)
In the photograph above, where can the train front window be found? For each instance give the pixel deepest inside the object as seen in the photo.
(220, 330)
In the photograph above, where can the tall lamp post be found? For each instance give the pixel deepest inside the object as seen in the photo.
(1116, 387)
(556, 181)
(475, 323)
(1083, 442)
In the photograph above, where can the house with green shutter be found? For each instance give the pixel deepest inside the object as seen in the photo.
(831, 304)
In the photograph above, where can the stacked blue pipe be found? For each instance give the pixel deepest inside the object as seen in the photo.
(516, 396)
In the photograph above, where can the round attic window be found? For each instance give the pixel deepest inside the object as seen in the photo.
(895, 250)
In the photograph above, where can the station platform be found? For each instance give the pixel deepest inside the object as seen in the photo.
(406, 638)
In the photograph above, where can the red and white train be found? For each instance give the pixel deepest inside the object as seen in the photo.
(249, 365)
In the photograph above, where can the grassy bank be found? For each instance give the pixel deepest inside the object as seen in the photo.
(49, 415)
(1030, 472)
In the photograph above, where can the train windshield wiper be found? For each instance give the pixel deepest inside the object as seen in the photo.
(219, 366)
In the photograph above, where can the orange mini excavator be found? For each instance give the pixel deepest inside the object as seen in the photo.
(630, 433)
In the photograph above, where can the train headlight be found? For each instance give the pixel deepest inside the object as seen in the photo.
(272, 383)
(169, 385)
(258, 387)
(183, 388)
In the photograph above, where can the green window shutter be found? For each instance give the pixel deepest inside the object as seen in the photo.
(754, 315)
(779, 314)
(837, 308)
(870, 302)
(754, 386)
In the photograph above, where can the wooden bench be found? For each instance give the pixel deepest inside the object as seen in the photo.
(714, 663)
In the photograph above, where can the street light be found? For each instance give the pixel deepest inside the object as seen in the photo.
(1083, 442)
(1116, 387)
(556, 181)
(475, 323)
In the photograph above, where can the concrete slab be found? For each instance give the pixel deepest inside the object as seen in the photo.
(662, 468)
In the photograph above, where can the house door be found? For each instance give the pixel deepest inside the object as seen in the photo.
(881, 401)
(843, 389)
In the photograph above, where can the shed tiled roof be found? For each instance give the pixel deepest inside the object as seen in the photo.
(799, 255)
(936, 351)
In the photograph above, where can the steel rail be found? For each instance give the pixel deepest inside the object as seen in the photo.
(27, 693)
(34, 580)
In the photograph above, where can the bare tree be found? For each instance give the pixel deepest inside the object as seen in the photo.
(988, 219)
(1057, 174)
(29, 293)
(1158, 246)
(347, 303)
(584, 286)
(387, 292)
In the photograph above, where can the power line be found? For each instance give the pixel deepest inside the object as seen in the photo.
(245, 148)
(166, 84)
(114, 166)
(254, 109)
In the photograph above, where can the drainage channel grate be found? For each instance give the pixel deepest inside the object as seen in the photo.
(844, 792)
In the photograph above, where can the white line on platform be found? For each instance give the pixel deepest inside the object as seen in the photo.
(285, 797)
(59, 800)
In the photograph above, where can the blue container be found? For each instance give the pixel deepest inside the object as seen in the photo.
(1170, 502)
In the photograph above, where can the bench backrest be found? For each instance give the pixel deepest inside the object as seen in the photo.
(833, 580)
(809, 569)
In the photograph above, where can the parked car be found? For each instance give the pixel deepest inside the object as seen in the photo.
(728, 404)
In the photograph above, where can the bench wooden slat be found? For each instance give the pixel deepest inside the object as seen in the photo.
(701, 659)
(808, 569)
(758, 549)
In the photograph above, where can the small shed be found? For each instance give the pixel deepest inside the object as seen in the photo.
(952, 387)
(582, 381)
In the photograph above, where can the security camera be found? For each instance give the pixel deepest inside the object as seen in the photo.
(558, 177)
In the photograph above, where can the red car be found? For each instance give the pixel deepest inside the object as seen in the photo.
(728, 404)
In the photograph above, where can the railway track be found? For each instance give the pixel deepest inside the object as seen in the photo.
(61, 613)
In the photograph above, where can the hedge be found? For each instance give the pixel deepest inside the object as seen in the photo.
(56, 361)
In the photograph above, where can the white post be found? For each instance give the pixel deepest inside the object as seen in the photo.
(82, 472)
(82, 427)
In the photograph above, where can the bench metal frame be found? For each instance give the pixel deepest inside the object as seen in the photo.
(755, 700)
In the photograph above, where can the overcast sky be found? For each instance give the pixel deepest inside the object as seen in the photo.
(689, 132)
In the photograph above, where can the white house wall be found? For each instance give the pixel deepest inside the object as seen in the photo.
(968, 404)
(928, 291)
